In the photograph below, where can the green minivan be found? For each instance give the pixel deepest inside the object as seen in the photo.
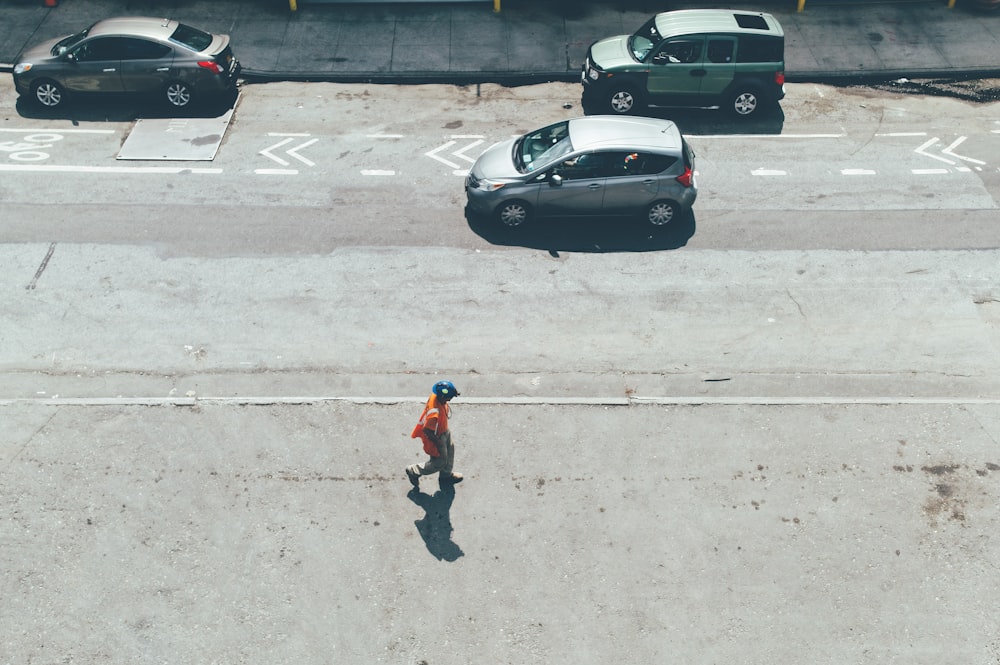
(723, 58)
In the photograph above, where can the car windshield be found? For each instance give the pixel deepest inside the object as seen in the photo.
(193, 38)
(541, 148)
(66, 43)
(644, 39)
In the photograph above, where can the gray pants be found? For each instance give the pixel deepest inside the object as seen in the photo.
(442, 463)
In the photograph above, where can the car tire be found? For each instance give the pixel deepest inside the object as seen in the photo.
(48, 93)
(746, 101)
(661, 213)
(178, 94)
(622, 100)
(513, 214)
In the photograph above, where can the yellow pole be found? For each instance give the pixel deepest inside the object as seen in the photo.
(496, 5)
(802, 4)
(951, 3)
(293, 5)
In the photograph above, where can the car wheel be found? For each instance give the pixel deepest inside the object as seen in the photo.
(513, 214)
(48, 93)
(661, 213)
(178, 94)
(745, 102)
(622, 101)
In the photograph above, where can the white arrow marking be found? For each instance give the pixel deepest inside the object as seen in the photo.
(294, 152)
(922, 151)
(958, 142)
(267, 152)
(461, 153)
(433, 154)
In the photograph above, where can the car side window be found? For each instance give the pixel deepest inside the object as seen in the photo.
(581, 167)
(760, 49)
(678, 51)
(100, 48)
(637, 163)
(142, 49)
(720, 50)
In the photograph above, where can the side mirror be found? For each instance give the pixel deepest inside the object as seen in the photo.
(555, 180)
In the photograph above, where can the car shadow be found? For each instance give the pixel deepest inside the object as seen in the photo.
(124, 108)
(586, 234)
(713, 121)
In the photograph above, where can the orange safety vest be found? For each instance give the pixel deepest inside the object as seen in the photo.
(435, 419)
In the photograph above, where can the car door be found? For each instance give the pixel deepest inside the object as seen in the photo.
(145, 64)
(719, 64)
(676, 68)
(575, 186)
(94, 66)
(633, 180)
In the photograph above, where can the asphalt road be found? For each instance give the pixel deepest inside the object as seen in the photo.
(768, 437)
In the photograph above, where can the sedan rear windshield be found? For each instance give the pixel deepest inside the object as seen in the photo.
(193, 38)
(543, 147)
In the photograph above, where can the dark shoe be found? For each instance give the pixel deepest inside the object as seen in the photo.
(414, 477)
(452, 478)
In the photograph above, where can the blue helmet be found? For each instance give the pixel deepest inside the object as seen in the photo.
(445, 390)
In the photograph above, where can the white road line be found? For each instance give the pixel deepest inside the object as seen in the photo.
(275, 171)
(768, 172)
(903, 134)
(384, 136)
(377, 172)
(949, 151)
(287, 134)
(857, 172)
(930, 171)
(294, 152)
(54, 168)
(60, 131)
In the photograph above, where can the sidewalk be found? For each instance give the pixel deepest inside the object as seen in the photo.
(532, 40)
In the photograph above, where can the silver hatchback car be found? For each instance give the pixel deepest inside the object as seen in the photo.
(174, 61)
(595, 165)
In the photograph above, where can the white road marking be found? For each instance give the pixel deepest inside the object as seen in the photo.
(857, 172)
(930, 171)
(949, 151)
(276, 171)
(377, 172)
(922, 150)
(60, 131)
(59, 168)
(768, 172)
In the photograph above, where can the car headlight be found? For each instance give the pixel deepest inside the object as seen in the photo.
(22, 67)
(485, 185)
(593, 74)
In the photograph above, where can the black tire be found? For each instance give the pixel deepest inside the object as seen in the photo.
(661, 213)
(513, 214)
(178, 94)
(746, 101)
(622, 100)
(48, 93)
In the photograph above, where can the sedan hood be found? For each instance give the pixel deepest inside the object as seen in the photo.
(496, 163)
(39, 52)
(611, 52)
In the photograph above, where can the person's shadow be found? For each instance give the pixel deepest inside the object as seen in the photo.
(435, 528)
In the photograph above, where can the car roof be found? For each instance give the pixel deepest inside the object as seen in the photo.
(159, 28)
(609, 131)
(688, 21)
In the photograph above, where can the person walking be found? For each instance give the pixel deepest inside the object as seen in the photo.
(432, 429)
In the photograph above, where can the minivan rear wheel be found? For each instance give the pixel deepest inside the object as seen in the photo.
(513, 214)
(661, 213)
(745, 102)
(622, 100)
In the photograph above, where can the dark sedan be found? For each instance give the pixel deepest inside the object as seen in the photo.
(160, 57)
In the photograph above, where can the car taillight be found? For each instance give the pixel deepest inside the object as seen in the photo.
(687, 177)
(211, 66)
(779, 78)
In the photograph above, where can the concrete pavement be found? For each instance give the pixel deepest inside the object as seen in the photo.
(530, 41)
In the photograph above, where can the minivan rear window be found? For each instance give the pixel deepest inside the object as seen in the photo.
(760, 49)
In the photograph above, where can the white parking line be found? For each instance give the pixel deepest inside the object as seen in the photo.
(768, 172)
(857, 172)
(276, 171)
(377, 172)
(57, 168)
(60, 131)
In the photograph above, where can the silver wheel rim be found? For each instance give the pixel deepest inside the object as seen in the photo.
(746, 103)
(513, 215)
(48, 94)
(661, 214)
(178, 94)
(622, 102)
